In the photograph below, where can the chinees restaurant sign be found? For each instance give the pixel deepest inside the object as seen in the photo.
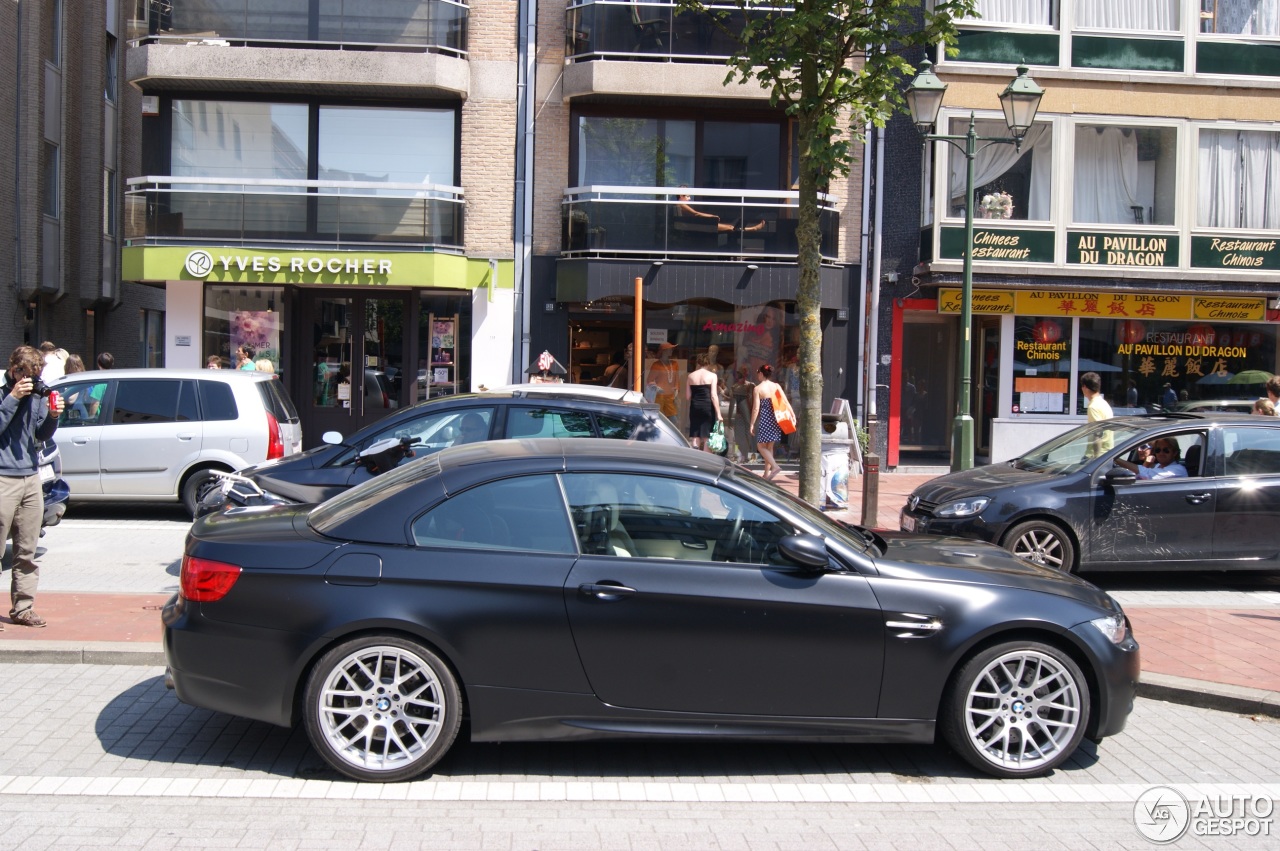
(1216, 252)
(983, 301)
(1001, 246)
(1085, 248)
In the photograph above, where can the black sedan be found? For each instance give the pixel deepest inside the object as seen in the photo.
(575, 589)
(522, 410)
(1087, 501)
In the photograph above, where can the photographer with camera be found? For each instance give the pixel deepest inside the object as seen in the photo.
(26, 420)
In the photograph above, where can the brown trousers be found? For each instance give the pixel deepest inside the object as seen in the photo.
(21, 513)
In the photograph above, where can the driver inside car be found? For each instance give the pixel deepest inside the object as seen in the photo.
(1162, 461)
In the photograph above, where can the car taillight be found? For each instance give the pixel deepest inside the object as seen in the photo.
(275, 441)
(205, 581)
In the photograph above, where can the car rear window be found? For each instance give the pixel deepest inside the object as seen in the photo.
(547, 422)
(217, 402)
(614, 427)
(277, 401)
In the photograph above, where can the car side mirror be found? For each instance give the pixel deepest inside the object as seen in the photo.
(807, 551)
(1118, 475)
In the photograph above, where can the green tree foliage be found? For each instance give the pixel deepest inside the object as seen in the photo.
(835, 66)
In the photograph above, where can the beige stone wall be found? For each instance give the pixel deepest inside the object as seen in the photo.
(488, 129)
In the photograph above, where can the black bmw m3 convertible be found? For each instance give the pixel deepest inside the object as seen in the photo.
(589, 588)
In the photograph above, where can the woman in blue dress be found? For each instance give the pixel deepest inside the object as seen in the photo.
(763, 422)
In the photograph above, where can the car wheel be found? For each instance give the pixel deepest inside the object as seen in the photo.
(382, 708)
(1044, 543)
(1017, 709)
(194, 488)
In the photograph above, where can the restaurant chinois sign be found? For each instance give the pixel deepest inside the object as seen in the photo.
(1107, 305)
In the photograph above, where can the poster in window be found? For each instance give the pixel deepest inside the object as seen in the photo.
(259, 330)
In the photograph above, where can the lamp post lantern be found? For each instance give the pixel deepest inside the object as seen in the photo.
(1020, 100)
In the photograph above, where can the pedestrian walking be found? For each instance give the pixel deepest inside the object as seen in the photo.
(703, 392)
(764, 421)
(25, 421)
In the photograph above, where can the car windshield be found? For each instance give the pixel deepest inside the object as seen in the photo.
(1072, 451)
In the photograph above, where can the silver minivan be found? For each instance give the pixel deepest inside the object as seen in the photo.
(155, 434)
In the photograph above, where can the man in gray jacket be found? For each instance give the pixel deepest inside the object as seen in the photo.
(25, 422)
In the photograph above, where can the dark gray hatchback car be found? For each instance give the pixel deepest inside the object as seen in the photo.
(1069, 505)
(517, 411)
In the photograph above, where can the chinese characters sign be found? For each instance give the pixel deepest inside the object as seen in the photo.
(1104, 305)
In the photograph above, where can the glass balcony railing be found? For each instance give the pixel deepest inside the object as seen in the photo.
(303, 213)
(608, 29)
(439, 25)
(664, 222)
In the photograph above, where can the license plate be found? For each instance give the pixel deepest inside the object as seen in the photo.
(46, 473)
(908, 523)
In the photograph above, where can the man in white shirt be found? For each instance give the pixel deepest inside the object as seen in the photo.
(1162, 461)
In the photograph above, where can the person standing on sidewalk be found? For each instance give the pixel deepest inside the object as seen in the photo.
(763, 422)
(1091, 390)
(25, 421)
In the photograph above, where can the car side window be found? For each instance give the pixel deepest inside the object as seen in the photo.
(547, 422)
(614, 427)
(524, 513)
(433, 432)
(217, 402)
(82, 403)
(146, 401)
(1251, 451)
(657, 517)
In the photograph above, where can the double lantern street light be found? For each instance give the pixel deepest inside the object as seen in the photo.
(1020, 101)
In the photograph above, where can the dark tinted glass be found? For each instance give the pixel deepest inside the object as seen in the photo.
(525, 513)
(614, 427)
(1251, 451)
(217, 401)
(546, 422)
(277, 401)
(188, 411)
(146, 401)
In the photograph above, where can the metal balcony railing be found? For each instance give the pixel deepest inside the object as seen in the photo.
(433, 25)
(611, 29)
(653, 221)
(302, 213)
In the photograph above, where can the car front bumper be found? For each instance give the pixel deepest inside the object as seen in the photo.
(973, 528)
(1116, 669)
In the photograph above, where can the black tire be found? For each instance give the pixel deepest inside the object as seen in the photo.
(348, 715)
(194, 488)
(1017, 709)
(1042, 542)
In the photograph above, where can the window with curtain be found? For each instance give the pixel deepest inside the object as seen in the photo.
(1243, 17)
(1024, 174)
(1128, 15)
(1239, 179)
(1025, 12)
(1125, 175)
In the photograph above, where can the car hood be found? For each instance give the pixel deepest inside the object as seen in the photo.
(942, 559)
(302, 460)
(979, 481)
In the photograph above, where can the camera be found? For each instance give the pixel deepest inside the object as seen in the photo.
(39, 388)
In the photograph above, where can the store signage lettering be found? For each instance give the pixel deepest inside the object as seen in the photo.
(1243, 309)
(982, 301)
(1009, 246)
(733, 327)
(1212, 252)
(314, 265)
(1104, 305)
(1101, 249)
(1036, 350)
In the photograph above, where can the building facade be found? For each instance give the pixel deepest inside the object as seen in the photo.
(70, 137)
(417, 197)
(1135, 232)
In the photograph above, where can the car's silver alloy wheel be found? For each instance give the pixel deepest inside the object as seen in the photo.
(1041, 545)
(1023, 710)
(381, 708)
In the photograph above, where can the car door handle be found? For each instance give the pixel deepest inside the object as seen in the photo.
(1198, 498)
(80, 441)
(606, 590)
(186, 435)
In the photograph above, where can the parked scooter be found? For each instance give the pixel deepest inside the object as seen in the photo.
(236, 491)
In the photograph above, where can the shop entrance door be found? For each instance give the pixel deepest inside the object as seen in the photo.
(986, 388)
(928, 382)
(360, 343)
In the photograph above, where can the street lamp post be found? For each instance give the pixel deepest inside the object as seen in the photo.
(1020, 101)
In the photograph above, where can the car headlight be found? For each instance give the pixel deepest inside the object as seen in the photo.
(1113, 627)
(964, 507)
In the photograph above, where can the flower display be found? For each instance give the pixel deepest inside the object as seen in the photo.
(997, 205)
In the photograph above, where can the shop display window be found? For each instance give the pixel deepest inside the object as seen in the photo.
(1042, 365)
(243, 316)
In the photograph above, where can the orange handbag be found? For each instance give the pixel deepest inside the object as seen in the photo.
(783, 414)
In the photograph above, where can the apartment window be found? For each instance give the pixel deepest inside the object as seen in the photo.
(53, 33)
(151, 337)
(387, 145)
(1128, 15)
(1239, 179)
(1025, 173)
(270, 141)
(1240, 17)
(49, 180)
(109, 76)
(1125, 175)
(1016, 12)
(108, 202)
(658, 152)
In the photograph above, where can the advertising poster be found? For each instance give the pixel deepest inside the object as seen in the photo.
(260, 331)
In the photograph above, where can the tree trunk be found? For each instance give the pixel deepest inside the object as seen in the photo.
(809, 299)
